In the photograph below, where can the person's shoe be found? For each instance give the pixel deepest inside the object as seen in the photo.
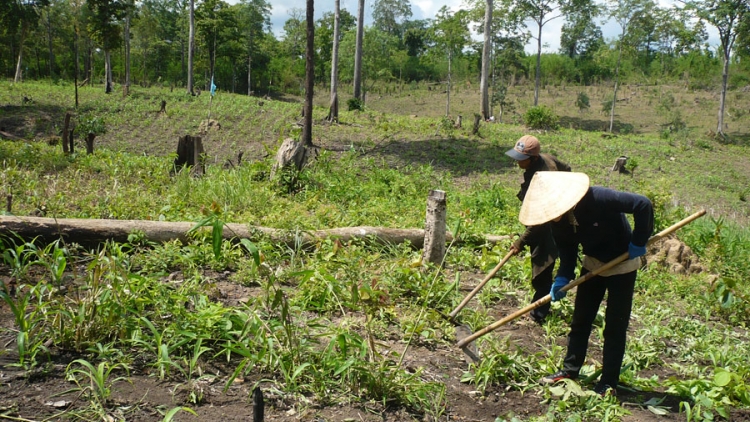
(537, 318)
(558, 376)
(604, 390)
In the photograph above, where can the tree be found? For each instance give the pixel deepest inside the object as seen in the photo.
(731, 18)
(624, 12)
(580, 37)
(104, 28)
(389, 15)
(484, 101)
(20, 16)
(129, 11)
(191, 48)
(324, 38)
(542, 12)
(358, 52)
(217, 26)
(309, 75)
(254, 19)
(450, 33)
(333, 110)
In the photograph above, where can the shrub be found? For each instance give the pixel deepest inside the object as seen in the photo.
(541, 117)
(355, 104)
(582, 102)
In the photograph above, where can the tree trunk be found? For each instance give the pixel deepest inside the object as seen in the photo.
(358, 51)
(107, 71)
(50, 52)
(126, 88)
(249, 73)
(309, 75)
(19, 64)
(617, 79)
(448, 99)
(191, 48)
(538, 73)
(333, 110)
(487, 47)
(92, 232)
(723, 96)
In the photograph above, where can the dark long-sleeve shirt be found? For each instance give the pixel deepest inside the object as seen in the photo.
(601, 228)
(539, 238)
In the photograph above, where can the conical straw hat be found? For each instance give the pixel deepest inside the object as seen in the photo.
(551, 194)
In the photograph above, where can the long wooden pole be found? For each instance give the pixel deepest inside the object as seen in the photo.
(465, 341)
(476, 290)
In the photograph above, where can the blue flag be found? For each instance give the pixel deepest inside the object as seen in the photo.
(213, 87)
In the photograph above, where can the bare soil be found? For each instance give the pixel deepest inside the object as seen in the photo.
(45, 394)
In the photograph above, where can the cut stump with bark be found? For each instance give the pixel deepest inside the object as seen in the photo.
(190, 153)
(435, 230)
(291, 155)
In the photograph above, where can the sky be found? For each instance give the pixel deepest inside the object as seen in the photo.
(427, 9)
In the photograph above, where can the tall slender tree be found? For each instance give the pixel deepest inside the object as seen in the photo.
(358, 51)
(191, 47)
(624, 12)
(333, 109)
(254, 20)
(450, 33)
(309, 74)
(104, 27)
(732, 19)
(543, 12)
(484, 102)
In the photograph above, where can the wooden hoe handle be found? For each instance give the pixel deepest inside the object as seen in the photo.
(476, 290)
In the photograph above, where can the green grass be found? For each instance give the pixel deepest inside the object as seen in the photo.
(316, 327)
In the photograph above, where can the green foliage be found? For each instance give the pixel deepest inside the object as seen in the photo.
(582, 102)
(90, 124)
(541, 117)
(355, 104)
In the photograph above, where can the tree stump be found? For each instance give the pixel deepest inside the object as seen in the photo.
(459, 121)
(620, 164)
(290, 153)
(477, 119)
(434, 231)
(65, 134)
(190, 153)
(90, 143)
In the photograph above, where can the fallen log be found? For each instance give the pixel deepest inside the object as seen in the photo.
(92, 232)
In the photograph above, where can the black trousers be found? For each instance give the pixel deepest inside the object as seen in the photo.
(617, 317)
(542, 284)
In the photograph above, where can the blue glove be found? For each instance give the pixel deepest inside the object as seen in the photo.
(636, 251)
(559, 283)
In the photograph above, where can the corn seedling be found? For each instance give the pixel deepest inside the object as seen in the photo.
(95, 380)
(29, 319)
